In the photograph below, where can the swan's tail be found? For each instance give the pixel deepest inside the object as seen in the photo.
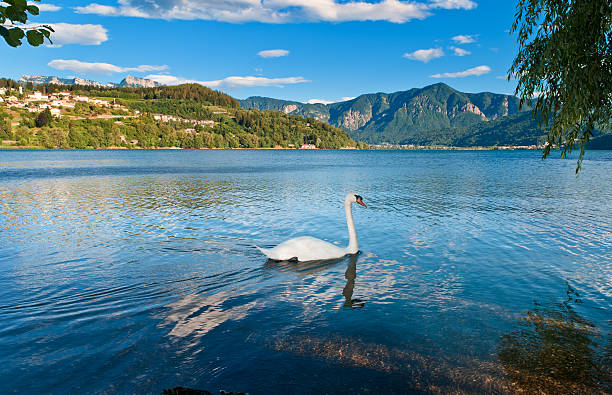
(264, 251)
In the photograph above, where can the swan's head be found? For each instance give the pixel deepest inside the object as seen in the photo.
(354, 198)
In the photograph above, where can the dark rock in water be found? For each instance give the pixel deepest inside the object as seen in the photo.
(189, 391)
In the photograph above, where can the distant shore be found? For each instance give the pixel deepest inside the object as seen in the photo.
(2, 146)
(372, 147)
(448, 147)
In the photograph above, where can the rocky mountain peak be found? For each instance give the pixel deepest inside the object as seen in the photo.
(133, 82)
(128, 81)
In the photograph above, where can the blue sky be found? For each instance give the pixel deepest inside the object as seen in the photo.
(289, 49)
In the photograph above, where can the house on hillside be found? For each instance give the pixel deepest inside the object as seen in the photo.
(14, 102)
(37, 96)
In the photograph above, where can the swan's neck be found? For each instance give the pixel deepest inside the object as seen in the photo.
(353, 246)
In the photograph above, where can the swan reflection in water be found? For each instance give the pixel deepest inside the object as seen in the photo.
(350, 275)
(308, 268)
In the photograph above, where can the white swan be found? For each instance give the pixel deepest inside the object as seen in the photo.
(308, 248)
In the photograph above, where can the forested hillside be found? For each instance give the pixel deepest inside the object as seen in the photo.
(185, 116)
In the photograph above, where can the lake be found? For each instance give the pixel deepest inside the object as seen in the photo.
(131, 271)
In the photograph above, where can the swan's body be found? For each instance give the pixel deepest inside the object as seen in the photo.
(306, 248)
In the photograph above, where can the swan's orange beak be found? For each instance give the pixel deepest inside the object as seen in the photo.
(359, 201)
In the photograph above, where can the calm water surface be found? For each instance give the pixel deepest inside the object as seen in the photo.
(134, 271)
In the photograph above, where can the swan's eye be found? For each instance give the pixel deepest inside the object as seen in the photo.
(358, 198)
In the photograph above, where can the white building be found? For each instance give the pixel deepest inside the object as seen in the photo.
(37, 96)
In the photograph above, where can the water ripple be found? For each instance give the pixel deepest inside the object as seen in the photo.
(135, 271)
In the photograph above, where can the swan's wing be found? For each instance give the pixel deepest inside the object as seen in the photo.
(304, 248)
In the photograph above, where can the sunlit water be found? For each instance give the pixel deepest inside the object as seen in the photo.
(134, 271)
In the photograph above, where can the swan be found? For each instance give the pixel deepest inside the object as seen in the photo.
(308, 248)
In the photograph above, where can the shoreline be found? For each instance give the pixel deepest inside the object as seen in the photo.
(372, 148)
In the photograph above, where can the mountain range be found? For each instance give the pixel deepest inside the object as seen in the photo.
(435, 114)
(127, 82)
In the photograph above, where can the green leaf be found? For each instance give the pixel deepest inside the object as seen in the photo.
(35, 38)
(14, 36)
(20, 3)
(16, 33)
(33, 9)
(16, 14)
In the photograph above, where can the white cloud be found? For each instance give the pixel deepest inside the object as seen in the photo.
(48, 7)
(171, 80)
(454, 4)
(99, 68)
(480, 70)
(425, 55)
(465, 39)
(107, 10)
(66, 33)
(321, 101)
(460, 51)
(273, 53)
(276, 11)
(245, 82)
(229, 82)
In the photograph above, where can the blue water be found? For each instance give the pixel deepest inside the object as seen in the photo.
(134, 271)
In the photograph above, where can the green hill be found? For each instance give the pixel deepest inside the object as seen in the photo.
(186, 116)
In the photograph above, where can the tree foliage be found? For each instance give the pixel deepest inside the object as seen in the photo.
(43, 118)
(565, 59)
(185, 92)
(5, 126)
(8, 83)
(16, 12)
